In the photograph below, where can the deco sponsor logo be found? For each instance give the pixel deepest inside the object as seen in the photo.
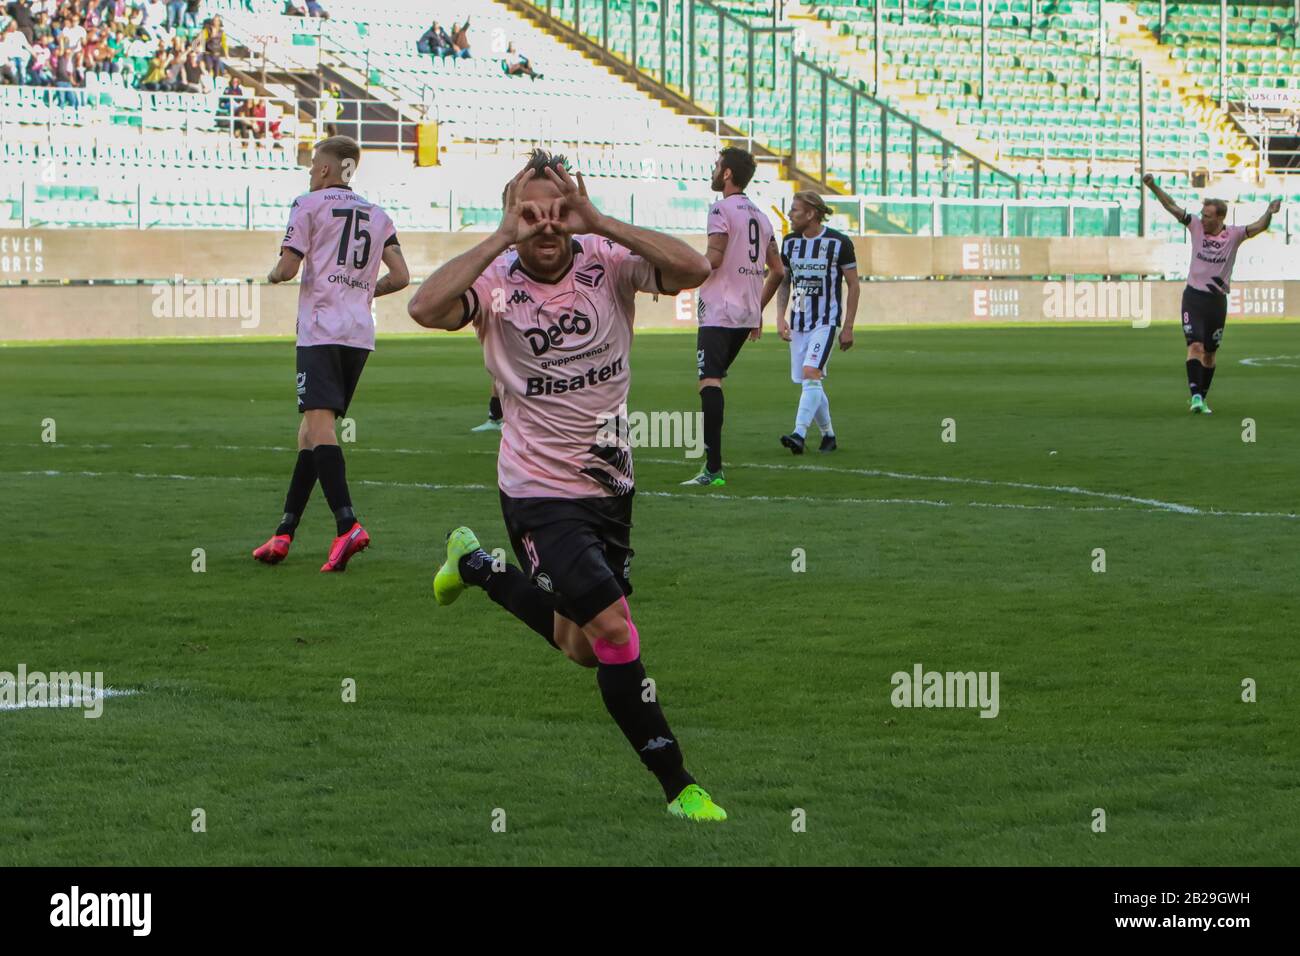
(568, 322)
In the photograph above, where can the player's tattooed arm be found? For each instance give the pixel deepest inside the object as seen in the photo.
(439, 302)
(398, 276)
(1261, 224)
(1175, 210)
(680, 267)
(717, 250)
(850, 274)
(782, 303)
(286, 269)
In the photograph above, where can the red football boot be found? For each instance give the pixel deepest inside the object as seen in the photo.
(345, 546)
(275, 550)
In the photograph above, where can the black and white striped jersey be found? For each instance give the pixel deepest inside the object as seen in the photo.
(815, 268)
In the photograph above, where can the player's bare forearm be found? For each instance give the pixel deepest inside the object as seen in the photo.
(771, 285)
(1262, 223)
(851, 306)
(285, 269)
(1165, 199)
(398, 276)
(680, 267)
(436, 304)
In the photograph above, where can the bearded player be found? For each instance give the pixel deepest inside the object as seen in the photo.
(555, 319)
(339, 238)
(1205, 300)
(730, 304)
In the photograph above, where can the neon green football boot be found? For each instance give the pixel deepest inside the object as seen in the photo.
(1196, 405)
(707, 479)
(694, 804)
(447, 583)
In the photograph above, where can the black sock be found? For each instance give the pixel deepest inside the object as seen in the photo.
(512, 589)
(1194, 369)
(1207, 376)
(711, 404)
(300, 486)
(494, 409)
(643, 724)
(334, 482)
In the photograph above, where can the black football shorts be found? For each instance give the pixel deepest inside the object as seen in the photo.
(578, 549)
(716, 348)
(1204, 316)
(328, 376)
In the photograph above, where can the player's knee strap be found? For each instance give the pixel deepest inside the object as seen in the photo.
(609, 653)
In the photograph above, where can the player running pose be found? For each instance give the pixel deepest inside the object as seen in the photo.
(340, 239)
(730, 303)
(818, 261)
(555, 319)
(1205, 300)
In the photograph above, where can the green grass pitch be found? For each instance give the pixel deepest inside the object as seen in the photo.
(1119, 690)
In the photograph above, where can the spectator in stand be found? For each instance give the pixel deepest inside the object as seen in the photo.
(41, 72)
(516, 64)
(15, 54)
(175, 10)
(316, 10)
(460, 40)
(155, 78)
(22, 16)
(231, 99)
(41, 29)
(195, 77)
(155, 18)
(192, 13)
(74, 35)
(434, 42)
(212, 41)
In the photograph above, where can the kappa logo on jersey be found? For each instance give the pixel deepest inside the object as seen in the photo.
(519, 295)
(590, 276)
(568, 322)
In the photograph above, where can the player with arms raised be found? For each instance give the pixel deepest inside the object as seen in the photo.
(339, 239)
(1205, 300)
(554, 315)
(730, 304)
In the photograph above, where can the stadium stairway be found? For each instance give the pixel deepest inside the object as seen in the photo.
(902, 94)
(1127, 29)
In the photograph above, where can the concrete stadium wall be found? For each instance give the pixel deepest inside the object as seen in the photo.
(35, 305)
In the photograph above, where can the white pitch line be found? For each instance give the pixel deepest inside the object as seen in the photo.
(806, 499)
(1269, 361)
(70, 700)
(1150, 503)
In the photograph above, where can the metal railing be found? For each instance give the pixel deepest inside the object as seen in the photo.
(830, 130)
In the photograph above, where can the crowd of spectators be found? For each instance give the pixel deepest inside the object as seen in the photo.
(150, 44)
(440, 43)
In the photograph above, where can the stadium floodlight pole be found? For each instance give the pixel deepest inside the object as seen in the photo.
(1142, 148)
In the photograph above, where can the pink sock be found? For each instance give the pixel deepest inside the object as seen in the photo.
(608, 653)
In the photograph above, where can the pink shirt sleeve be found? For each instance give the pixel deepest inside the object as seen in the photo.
(297, 236)
(719, 221)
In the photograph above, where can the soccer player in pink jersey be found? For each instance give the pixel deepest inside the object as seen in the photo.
(729, 306)
(339, 239)
(1205, 300)
(554, 315)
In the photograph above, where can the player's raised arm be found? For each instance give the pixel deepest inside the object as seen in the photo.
(680, 267)
(1261, 224)
(1175, 210)
(439, 302)
(398, 276)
